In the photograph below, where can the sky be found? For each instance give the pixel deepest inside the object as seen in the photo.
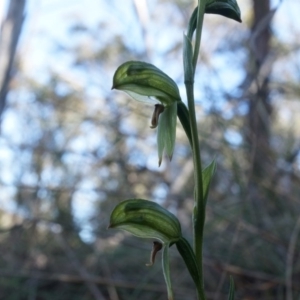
(48, 20)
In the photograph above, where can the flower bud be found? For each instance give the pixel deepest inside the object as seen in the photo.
(145, 82)
(226, 8)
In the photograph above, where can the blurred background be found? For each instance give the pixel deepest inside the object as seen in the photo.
(71, 149)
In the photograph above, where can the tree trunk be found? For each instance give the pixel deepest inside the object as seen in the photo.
(260, 108)
(9, 35)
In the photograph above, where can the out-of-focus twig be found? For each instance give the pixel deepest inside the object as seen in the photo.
(113, 294)
(264, 234)
(80, 268)
(67, 278)
(289, 260)
(224, 272)
(235, 270)
(144, 19)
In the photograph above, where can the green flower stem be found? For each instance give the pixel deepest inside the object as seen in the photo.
(199, 209)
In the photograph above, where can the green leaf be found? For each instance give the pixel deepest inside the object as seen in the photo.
(146, 219)
(166, 270)
(192, 24)
(187, 254)
(226, 8)
(146, 83)
(207, 175)
(166, 132)
(231, 289)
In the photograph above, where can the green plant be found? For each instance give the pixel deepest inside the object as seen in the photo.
(146, 83)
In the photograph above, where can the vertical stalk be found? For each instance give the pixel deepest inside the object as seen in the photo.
(199, 208)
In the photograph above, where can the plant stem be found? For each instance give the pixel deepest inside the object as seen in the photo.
(199, 208)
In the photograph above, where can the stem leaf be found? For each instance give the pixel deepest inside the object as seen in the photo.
(231, 289)
(207, 175)
(189, 258)
(192, 24)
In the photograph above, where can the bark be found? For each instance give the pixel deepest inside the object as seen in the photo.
(10, 32)
(260, 108)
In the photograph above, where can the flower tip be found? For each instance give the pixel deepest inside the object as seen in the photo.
(159, 161)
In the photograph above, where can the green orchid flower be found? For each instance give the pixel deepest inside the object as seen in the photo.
(147, 219)
(146, 83)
